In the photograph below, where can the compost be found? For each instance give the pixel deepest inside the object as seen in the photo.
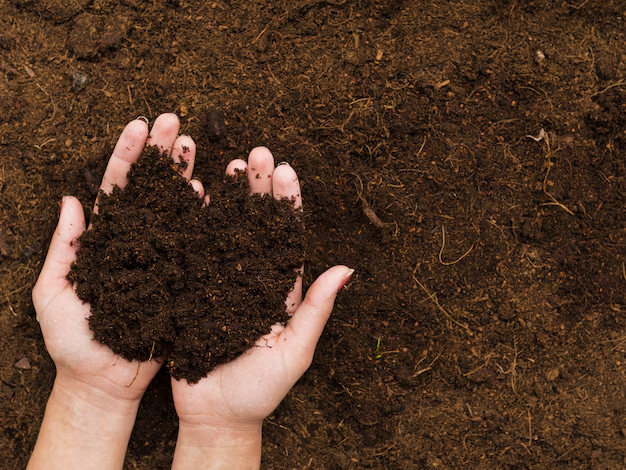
(168, 277)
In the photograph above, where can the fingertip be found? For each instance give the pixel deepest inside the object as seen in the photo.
(311, 316)
(167, 120)
(138, 125)
(325, 288)
(236, 165)
(260, 152)
(184, 150)
(131, 141)
(346, 278)
(286, 185)
(260, 170)
(285, 174)
(72, 213)
(164, 131)
(185, 147)
(198, 187)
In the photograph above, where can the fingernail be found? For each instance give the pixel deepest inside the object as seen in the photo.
(346, 279)
(195, 178)
(283, 163)
(144, 119)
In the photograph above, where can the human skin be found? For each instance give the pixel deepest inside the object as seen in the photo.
(96, 394)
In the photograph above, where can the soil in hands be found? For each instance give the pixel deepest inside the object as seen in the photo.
(167, 277)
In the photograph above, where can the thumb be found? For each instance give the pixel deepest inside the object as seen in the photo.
(305, 327)
(62, 252)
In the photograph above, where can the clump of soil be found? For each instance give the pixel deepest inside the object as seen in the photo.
(169, 278)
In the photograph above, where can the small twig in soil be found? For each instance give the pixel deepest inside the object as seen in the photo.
(433, 297)
(443, 245)
(368, 211)
(45, 142)
(428, 367)
(54, 106)
(11, 307)
(621, 342)
(276, 424)
(616, 84)
(151, 351)
(146, 101)
(577, 7)
(543, 135)
(513, 371)
(260, 34)
(419, 152)
(530, 429)
(19, 289)
(482, 366)
(136, 375)
(567, 452)
(261, 281)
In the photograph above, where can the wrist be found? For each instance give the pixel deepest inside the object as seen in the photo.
(205, 435)
(83, 428)
(215, 447)
(95, 398)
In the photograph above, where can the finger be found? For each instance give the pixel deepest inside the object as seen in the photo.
(62, 252)
(185, 150)
(236, 165)
(197, 187)
(299, 338)
(164, 132)
(286, 185)
(260, 170)
(294, 298)
(127, 151)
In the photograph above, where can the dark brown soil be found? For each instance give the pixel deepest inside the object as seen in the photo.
(168, 278)
(502, 348)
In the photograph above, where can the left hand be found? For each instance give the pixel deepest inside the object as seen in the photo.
(96, 394)
(79, 359)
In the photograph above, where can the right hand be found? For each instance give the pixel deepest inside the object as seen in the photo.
(235, 398)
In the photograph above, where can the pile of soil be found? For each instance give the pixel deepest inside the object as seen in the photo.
(167, 277)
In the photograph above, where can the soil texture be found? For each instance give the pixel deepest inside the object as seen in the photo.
(468, 159)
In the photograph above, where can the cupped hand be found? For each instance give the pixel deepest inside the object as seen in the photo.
(237, 396)
(83, 363)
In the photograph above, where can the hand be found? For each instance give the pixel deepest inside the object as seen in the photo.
(221, 416)
(96, 393)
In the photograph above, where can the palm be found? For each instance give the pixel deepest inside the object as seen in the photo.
(243, 391)
(78, 356)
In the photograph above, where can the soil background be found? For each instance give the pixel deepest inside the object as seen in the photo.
(485, 326)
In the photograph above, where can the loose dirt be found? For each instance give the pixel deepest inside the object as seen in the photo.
(502, 348)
